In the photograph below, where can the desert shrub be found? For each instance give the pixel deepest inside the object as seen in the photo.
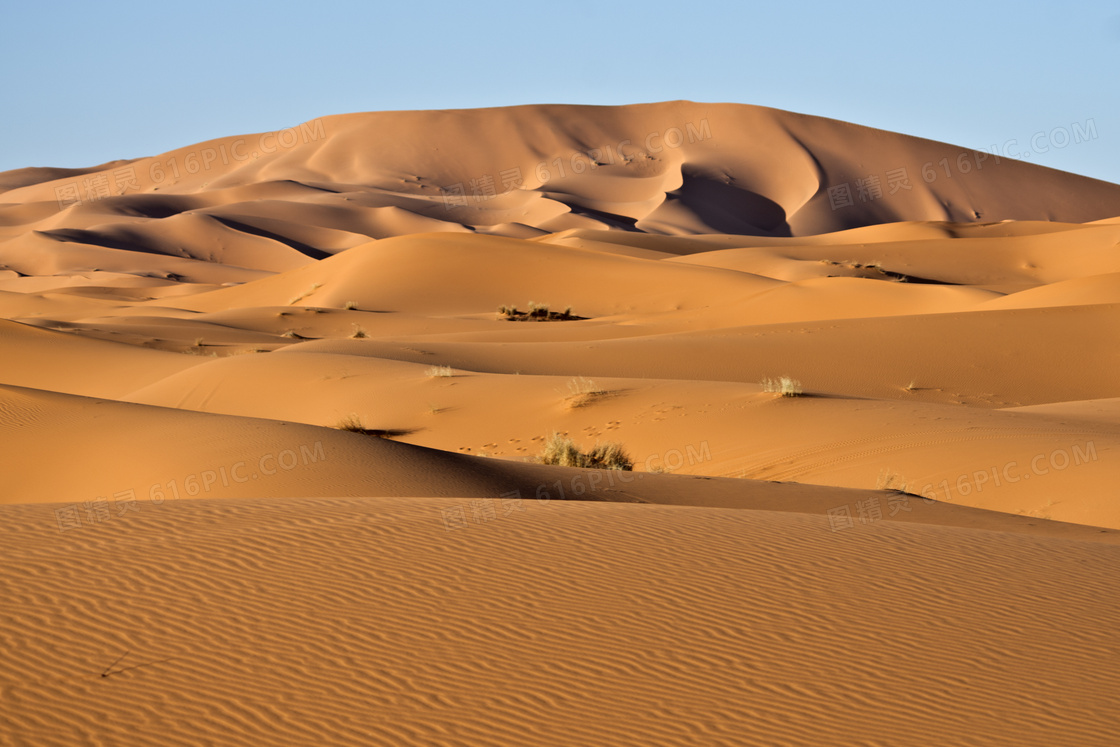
(314, 287)
(562, 451)
(783, 385)
(610, 455)
(583, 392)
(580, 385)
(538, 312)
(439, 372)
(351, 423)
(891, 480)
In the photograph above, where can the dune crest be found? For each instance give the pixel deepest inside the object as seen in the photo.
(286, 397)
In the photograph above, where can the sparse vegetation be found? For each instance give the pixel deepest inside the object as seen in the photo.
(891, 480)
(783, 385)
(583, 392)
(353, 424)
(350, 305)
(314, 287)
(873, 270)
(580, 385)
(538, 312)
(436, 372)
(358, 333)
(562, 451)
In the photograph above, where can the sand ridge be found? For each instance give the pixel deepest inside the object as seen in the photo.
(271, 449)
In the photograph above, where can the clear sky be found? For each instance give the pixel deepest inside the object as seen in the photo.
(85, 83)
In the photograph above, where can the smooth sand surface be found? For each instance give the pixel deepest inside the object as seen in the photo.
(920, 548)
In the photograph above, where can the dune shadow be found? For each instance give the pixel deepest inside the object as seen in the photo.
(730, 209)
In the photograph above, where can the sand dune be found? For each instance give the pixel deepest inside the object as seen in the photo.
(366, 621)
(917, 547)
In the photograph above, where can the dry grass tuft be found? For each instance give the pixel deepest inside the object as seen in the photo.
(353, 424)
(583, 392)
(891, 480)
(783, 385)
(314, 287)
(562, 451)
(439, 372)
(538, 312)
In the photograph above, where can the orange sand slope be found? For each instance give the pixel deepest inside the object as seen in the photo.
(962, 385)
(938, 356)
(366, 621)
(917, 547)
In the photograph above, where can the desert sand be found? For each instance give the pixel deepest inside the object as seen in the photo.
(918, 546)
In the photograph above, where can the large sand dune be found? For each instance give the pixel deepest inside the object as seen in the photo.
(919, 548)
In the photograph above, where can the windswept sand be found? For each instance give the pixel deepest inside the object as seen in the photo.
(919, 549)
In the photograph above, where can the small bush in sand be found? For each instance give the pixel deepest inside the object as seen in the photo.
(562, 451)
(436, 372)
(358, 333)
(583, 392)
(538, 312)
(891, 480)
(783, 385)
(580, 385)
(610, 455)
(350, 305)
(351, 423)
(314, 287)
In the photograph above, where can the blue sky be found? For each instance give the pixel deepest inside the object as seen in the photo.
(85, 83)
